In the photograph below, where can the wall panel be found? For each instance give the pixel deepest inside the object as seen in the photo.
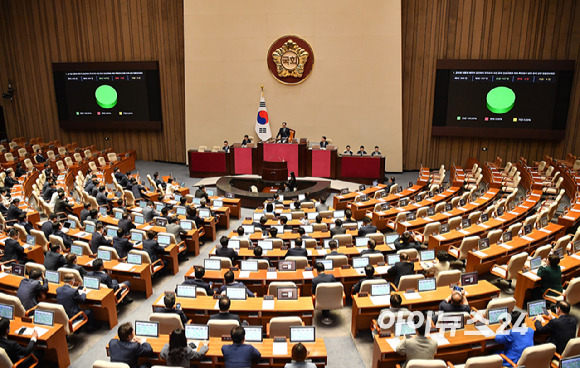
(481, 29)
(33, 34)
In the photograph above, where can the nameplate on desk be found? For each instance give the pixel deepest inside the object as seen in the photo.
(446, 214)
(381, 300)
(427, 219)
(268, 304)
(398, 194)
(430, 200)
(532, 276)
(484, 226)
(534, 195)
(439, 237)
(525, 237)
(307, 274)
(504, 245)
(576, 256)
(417, 204)
(575, 210)
(501, 219)
(271, 275)
(513, 213)
(321, 252)
(464, 232)
(412, 296)
(244, 274)
(545, 231)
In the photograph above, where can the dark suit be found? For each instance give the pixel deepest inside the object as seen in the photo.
(444, 306)
(13, 250)
(245, 142)
(40, 158)
(97, 240)
(70, 298)
(122, 179)
(138, 191)
(357, 286)
(226, 315)
(364, 230)
(297, 252)
(28, 291)
(53, 260)
(334, 253)
(321, 278)
(399, 245)
(84, 214)
(27, 226)
(65, 238)
(240, 355)
(152, 248)
(9, 182)
(13, 213)
(236, 284)
(200, 284)
(127, 225)
(401, 269)
(179, 312)
(323, 144)
(47, 228)
(16, 351)
(226, 252)
(337, 231)
(226, 149)
(122, 246)
(283, 133)
(102, 199)
(560, 331)
(360, 153)
(370, 251)
(128, 352)
(106, 279)
(62, 206)
(48, 193)
(81, 269)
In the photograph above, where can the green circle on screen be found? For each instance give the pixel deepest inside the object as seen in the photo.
(500, 100)
(106, 96)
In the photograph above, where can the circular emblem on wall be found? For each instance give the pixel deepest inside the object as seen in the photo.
(290, 59)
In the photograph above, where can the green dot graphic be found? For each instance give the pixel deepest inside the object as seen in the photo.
(500, 100)
(106, 96)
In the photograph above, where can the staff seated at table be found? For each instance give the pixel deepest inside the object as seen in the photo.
(226, 147)
(323, 143)
(560, 330)
(376, 152)
(229, 280)
(283, 133)
(369, 275)
(406, 241)
(361, 151)
(238, 354)
(246, 140)
(224, 314)
(515, 338)
(198, 280)
(420, 346)
(347, 151)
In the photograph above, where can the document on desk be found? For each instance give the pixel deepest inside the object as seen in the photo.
(484, 226)
(244, 274)
(394, 342)
(147, 228)
(569, 218)
(446, 214)
(412, 296)
(381, 270)
(480, 254)
(485, 330)
(464, 232)
(439, 237)
(525, 237)
(577, 256)
(429, 219)
(272, 275)
(307, 275)
(405, 223)
(532, 276)
(217, 305)
(381, 300)
(280, 348)
(309, 252)
(441, 340)
(504, 245)
(321, 252)
(513, 213)
(123, 267)
(545, 231)
(268, 304)
(39, 330)
(81, 234)
(2, 274)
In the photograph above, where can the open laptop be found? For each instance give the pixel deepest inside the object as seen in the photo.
(427, 285)
(160, 222)
(536, 308)
(380, 289)
(465, 223)
(212, 264)
(527, 229)
(52, 276)
(43, 317)
(251, 266)
(483, 243)
(103, 211)
(105, 255)
(535, 263)
(253, 333)
(197, 332)
(164, 240)
(217, 203)
(186, 291)
(338, 214)
(496, 315)
(507, 236)
(236, 293)
(133, 258)
(359, 263)
(392, 259)
(257, 216)
(307, 228)
(302, 334)
(18, 269)
(112, 231)
(30, 240)
(147, 329)
(93, 283)
(180, 211)
(427, 255)
(484, 217)
(248, 229)
(204, 212)
(450, 321)
(287, 293)
(572, 362)
(76, 249)
(118, 214)
(328, 264)
(287, 265)
(136, 236)
(361, 241)
(390, 239)
(444, 228)
(186, 224)
(139, 219)
(404, 329)
(266, 244)
(7, 311)
(469, 278)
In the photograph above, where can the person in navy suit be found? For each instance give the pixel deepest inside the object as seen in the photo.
(128, 348)
(323, 142)
(321, 278)
(169, 301)
(333, 245)
(13, 249)
(229, 280)
(53, 259)
(13, 211)
(70, 298)
(122, 244)
(367, 228)
(283, 133)
(99, 239)
(224, 305)
(31, 288)
(198, 281)
(39, 157)
(71, 262)
(48, 226)
(297, 251)
(238, 354)
(152, 247)
(224, 251)
(14, 350)
(98, 272)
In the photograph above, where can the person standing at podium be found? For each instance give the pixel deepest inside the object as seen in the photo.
(283, 133)
(226, 147)
(323, 142)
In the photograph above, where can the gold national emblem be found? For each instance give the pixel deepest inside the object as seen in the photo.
(290, 60)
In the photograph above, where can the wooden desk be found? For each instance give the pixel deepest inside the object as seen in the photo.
(34, 253)
(483, 261)
(53, 341)
(526, 281)
(363, 309)
(102, 302)
(201, 308)
(340, 202)
(234, 204)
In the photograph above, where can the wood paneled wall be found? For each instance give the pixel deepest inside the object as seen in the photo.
(36, 33)
(482, 29)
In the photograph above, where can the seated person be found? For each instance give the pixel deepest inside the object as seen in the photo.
(337, 229)
(57, 231)
(149, 212)
(402, 268)
(31, 288)
(376, 152)
(297, 251)
(456, 302)
(442, 264)
(371, 245)
(169, 301)
(224, 305)
(224, 251)
(71, 298)
(394, 308)
(299, 354)
(178, 353)
(98, 238)
(390, 184)
(262, 225)
(347, 151)
(12, 248)
(122, 244)
(258, 255)
(302, 233)
(321, 278)
(273, 233)
(240, 234)
(283, 133)
(14, 211)
(158, 181)
(98, 272)
(53, 259)
(39, 157)
(246, 140)
(230, 281)
(24, 223)
(61, 204)
(192, 215)
(226, 147)
(198, 280)
(369, 275)
(173, 227)
(125, 223)
(367, 227)
(152, 247)
(323, 143)
(333, 246)
(559, 330)
(71, 262)
(361, 151)
(406, 241)
(551, 275)
(13, 349)
(238, 354)
(128, 348)
(284, 221)
(515, 338)
(348, 217)
(420, 346)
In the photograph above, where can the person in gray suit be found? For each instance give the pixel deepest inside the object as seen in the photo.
(149, 212)
(338, 229)
(31, 288)
(418, 347)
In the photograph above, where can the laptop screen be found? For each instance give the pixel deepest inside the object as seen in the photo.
(164, 240)
(301, 197)
(361, 241)
(139, 219)
(253, 334)
(404, 329)
(105, 255)
(496, 315)
(52, 276)
(444, 228)
(43, 317)
(392, 259)
(76, 249)
(536, 308)
(159, 206)
(468, 278)
(18, 269)
(287, 265)
(112, 232)
(186, 291)
(197, 332)
(572, 362)
(279, 228)
(311, 215)
(7, 311)
(338, 214)
(89, 228)
(118, 215)
(248, 229)
(210, 192)
(180, 211)
(287, 293)
(236, 293)
(380, 289)
(427, 255)
(507, 236)
(136, 236)
(212, 264)
(450, 321)
(142, 204)
(427, 285)
(251, 266)
(161, 222)
(204, 212)
(308, 229)
(266, 244)
(147, 328)
(30, 240)
(134, 258)
(196, 200)
(103, 211)
(92, 283)
(218, 203)
(535, 263)
(360, 262)
(483, 243)
(390, 239)
(328, 264)
(527, 229)
(302, 334)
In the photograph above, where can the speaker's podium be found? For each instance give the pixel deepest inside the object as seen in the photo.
(275, 171)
